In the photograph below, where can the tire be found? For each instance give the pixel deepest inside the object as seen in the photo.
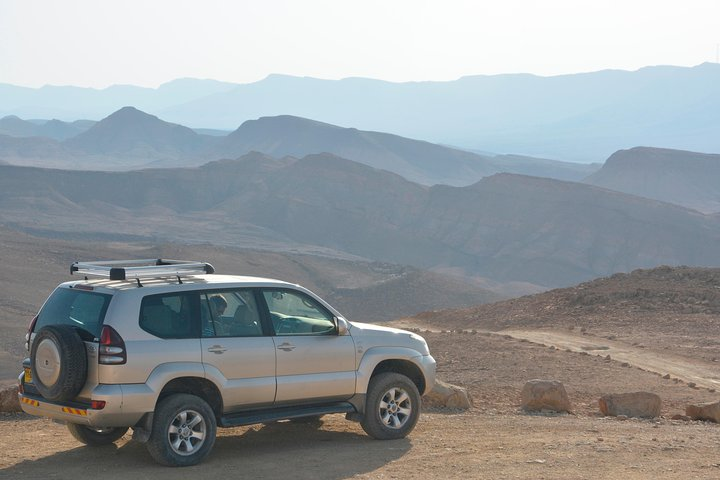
(392, 407)
(183, 431)
(96, 437)
(59, 362)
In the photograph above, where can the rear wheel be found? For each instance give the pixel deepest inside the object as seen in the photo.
(392, 407)
(183, 431)
(96, 437)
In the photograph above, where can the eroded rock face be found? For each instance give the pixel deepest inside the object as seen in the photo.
(635, 404)
(9, 400)
(447, 395)
(704, 411)
(549, 395)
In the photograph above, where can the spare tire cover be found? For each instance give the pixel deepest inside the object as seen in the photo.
(59, 362)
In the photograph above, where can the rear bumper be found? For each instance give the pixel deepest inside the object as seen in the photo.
(112, 415)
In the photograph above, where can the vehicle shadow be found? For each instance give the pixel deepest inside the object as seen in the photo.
(276, 450)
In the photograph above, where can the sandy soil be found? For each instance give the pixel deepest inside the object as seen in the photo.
(470, 445)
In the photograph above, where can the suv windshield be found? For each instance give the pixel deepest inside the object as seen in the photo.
(82, 309)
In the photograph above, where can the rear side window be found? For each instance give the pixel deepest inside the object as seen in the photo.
(171, 315)
(79, 308)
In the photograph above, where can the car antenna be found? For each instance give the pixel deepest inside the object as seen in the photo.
(179, 280)
(138, 282)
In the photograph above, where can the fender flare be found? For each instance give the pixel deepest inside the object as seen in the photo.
(372, 358)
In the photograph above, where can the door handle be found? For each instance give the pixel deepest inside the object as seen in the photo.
(217, 349)
(286, 346)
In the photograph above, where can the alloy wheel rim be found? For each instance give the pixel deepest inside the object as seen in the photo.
(187, 432)
(395, 408)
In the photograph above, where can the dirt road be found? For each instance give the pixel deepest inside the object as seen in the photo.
(689, 370)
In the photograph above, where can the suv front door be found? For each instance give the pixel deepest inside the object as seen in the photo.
(313, 361)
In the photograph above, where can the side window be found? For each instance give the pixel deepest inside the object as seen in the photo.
(230, 313)
(294, 313)
(170, 315)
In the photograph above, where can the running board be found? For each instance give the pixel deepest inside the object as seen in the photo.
(283, 413)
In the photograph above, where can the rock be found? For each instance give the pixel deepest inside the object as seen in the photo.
(677, 416)
(538, 395)
(635, 404)
(9, 400)
(704, 411)
(666, 376)
(446, 395)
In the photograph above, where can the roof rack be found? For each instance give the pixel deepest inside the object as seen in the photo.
(136, 269)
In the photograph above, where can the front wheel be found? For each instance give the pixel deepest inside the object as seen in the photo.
(96, 437)
(183, 431)
(392, 407)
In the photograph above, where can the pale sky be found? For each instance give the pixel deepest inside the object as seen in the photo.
(97, 43)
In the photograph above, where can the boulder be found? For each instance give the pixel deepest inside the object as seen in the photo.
(538, 395)
(449, 396)
(9, 399)
(635, 404)
(704, 411)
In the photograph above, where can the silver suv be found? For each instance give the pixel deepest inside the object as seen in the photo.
(173, 351)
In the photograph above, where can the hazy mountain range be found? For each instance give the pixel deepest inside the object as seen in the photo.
(581, 117)
(130, 138)
(506, 227)
(685, 178)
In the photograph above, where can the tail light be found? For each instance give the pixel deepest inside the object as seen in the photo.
(112, 347)
(31, 327)
(97, 404)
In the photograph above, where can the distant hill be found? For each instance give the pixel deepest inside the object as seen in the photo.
(130, 138)
(581, 117)
(132, 133)
(684, 178)
(415, 160)
(542, 167)
(509, 228)
(55, 129)
(71, 103)
(16, 127)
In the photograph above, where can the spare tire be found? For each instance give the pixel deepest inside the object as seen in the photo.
(58, 362)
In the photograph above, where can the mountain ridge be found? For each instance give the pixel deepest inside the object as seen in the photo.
(506, 227)
(130, 138)
(574, 117)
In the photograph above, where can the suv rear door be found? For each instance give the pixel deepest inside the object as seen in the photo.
(313, 361)
(81, 307)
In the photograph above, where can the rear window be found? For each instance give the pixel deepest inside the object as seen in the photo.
(79, 308)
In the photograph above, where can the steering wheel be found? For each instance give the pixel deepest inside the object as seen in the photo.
(287, 325)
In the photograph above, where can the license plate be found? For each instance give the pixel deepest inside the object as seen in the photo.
(28, 375)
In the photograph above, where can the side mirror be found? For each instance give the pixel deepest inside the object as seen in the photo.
(342, 326)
